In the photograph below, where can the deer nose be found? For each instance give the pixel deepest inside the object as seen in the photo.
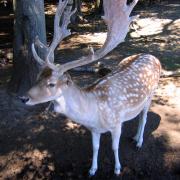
(24, 99)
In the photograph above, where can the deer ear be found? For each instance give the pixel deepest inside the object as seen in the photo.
(68, 79)
(68, 82)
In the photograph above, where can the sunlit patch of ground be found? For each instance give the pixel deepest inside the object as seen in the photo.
(169, 88)
(154, 32)
(18, 162)
(50, 9)
(149, 26)
(166, 103)
(88, 39)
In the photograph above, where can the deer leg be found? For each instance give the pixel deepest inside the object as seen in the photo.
(115, 146)
(95, 143)
(142, 122)
(136, 137)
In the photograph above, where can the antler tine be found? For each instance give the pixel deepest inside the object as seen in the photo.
(116, 16)
(60, 31)
(66, 18)
(40, 44)
(131, 5)
(36, 57)
(39, 60)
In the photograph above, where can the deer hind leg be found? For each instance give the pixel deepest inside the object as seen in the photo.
(95, 143)
(115, 146)
(142, 122)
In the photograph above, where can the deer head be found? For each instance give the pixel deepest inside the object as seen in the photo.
(53, 79)
(48, 87)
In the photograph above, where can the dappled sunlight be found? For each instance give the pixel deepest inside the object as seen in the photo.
(38, 129)
(84, 39)
(172, 5)
(70, 125)
(175, 28)
(166, 103)
(36, 154)
(170, 124)
(10, 169)
(173, 137)
(74, 127)
(95, 37)
(169, 91)
(4, 34)
(149, 26)
(50, 9)
(18, 161)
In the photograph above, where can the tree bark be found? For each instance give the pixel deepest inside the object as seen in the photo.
(29, 22)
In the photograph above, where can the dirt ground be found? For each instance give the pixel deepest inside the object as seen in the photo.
(35, 144)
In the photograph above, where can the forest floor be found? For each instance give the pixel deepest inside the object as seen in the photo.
(39, 145)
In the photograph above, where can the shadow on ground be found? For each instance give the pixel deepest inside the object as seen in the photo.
(39, 145)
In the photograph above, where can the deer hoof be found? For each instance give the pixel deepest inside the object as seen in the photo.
(92, 171)
(139, 141)
(139, 144)
(117, 171)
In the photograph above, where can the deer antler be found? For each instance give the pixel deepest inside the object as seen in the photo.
(116, 16)
(62, 19)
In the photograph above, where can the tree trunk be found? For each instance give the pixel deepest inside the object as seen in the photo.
(29, 22)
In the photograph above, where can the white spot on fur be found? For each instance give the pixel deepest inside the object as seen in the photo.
(125, 90)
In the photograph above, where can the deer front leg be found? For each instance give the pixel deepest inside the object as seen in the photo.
(95, 143)
(115, 146)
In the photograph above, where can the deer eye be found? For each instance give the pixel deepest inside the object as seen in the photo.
(51, 85)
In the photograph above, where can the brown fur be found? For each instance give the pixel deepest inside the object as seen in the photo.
(46, 73)
(122, 65)
(128, 61)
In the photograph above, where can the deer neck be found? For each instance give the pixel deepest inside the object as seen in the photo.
(78, 105)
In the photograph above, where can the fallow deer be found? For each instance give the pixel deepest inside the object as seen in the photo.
(118, 97)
